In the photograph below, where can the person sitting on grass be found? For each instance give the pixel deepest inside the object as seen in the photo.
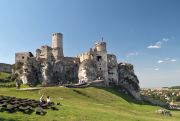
(41, 99)
(48, 100)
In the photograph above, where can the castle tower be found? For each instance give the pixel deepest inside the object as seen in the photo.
(101, 61)
(57, 45)
(100, 47)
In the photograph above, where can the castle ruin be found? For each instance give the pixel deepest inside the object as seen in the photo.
(50, 67)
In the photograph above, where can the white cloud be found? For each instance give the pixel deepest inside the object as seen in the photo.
(167, 59)
(165, 39)
(173, 60)
(156, 69)
(158, 44)
(155, 46)
(160, 61)
(132, 54)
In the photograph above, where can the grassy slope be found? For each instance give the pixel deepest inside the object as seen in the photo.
(88, 104)
(4, 75)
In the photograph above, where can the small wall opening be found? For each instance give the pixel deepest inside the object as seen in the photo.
(98, 58)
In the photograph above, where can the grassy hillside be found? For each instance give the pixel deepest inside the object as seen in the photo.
(87, 104)
(4, 75)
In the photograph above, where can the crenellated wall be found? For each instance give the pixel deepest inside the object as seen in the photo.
(85, 56)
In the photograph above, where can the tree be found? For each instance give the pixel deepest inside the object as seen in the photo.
(178, 98)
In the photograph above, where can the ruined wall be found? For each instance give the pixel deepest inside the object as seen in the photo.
(71, 60)
(56, 53)
(70, 69)
(112, 69)
(45, 53)
(46, 71)
(23, 56)
(103, 64)
(28, 71)
(5, 68)
(85, 56)
(38, 53)
(87, 71)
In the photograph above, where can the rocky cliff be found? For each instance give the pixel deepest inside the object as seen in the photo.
(128, 80)
(87, 71)
(35, 72)
(47, 73)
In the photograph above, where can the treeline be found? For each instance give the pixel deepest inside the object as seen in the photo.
(175, 87)
(6, 80)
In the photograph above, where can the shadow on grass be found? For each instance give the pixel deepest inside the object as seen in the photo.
(130, 99)
(115, 91)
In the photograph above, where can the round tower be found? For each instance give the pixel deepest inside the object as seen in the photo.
(100, 46)
(57, 45)
(100, 57)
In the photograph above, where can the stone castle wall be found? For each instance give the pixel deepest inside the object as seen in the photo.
(23, 56)
(85, 56)
(45, 53)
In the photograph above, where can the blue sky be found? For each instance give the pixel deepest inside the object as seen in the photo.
(142, 32)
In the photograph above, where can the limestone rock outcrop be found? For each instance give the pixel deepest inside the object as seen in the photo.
(87, 71)
(128, 79)
(46, 73)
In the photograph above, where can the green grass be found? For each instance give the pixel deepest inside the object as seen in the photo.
(87, 104)
(4, 75)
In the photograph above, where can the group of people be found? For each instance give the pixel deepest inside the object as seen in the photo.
(48, 100)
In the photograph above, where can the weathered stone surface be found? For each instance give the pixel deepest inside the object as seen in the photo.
(128, 79)
(87, 71)
(46, 73)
